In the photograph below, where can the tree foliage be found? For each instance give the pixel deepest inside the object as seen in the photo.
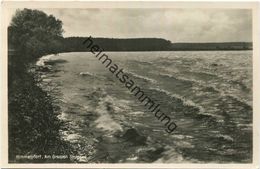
(33, 33)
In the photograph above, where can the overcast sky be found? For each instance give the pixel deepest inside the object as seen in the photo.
(177, 25)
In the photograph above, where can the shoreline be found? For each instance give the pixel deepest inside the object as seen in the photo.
(100, 131)
(46, 72)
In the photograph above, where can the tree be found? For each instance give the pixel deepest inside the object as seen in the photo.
(31, 31)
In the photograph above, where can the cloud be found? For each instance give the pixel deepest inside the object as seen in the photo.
(177, 25)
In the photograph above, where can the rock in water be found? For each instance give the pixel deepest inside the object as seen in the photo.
(133, 136)
(152, 154)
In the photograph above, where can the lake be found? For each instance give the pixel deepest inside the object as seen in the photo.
(208, 94)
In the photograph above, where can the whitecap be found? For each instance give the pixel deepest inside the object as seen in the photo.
(137, 113)
(41, 61)
(184, 101)
(225, 137)
(73, 138)
(86, 74)
(143, 77)
(105, 121)
(132, 158)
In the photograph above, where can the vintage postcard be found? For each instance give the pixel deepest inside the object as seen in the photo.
(130, 84)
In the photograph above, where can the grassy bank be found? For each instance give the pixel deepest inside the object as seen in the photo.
(34, 127)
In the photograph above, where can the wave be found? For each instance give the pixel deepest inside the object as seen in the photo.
(224, 137)
(143, 77)
(149, 63)
(86, 74)
(137, 113)
(174, 155)
(198, 82)
(41, 61)
(205, 73)
(105, 121)
(245, 126)
(200, 113)
(239, 100)
(182, 99)
(211, 88)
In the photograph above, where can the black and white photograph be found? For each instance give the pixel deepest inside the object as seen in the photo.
(132, 85)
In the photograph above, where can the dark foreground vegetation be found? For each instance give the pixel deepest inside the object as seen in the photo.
(33, 124)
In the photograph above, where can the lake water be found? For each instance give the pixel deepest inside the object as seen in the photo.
(208, 94)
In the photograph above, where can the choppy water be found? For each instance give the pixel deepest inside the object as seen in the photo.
(208, 94)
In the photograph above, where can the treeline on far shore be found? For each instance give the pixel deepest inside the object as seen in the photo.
(212, 46)
(74, 44)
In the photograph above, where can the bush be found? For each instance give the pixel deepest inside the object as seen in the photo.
(34, 127)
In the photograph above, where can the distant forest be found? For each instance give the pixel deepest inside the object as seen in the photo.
(73, 44)
(212, 46)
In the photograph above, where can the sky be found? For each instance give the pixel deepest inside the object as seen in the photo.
(176, 25)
